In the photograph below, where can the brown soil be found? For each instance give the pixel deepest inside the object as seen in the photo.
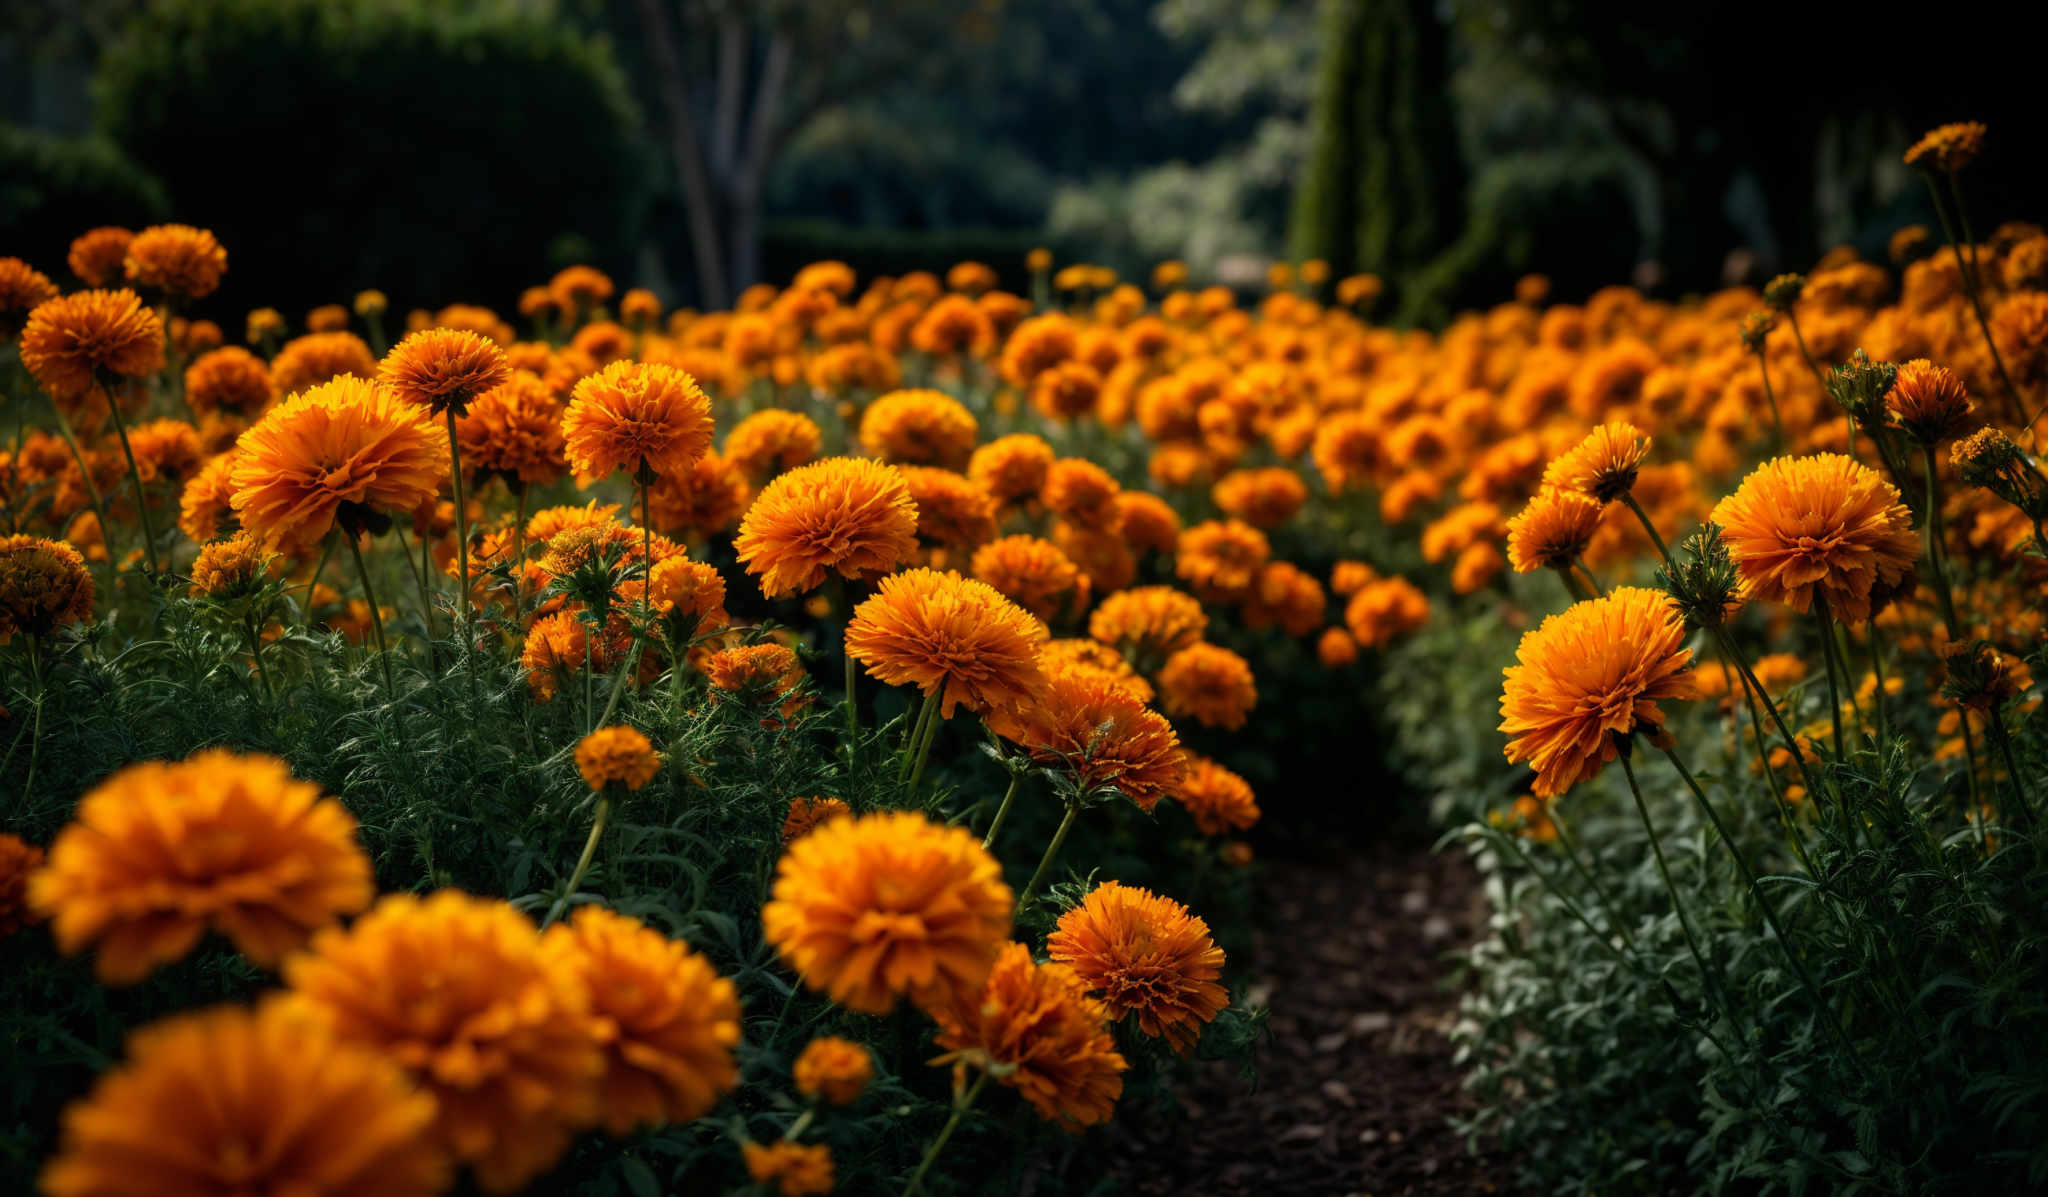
(1355, 1085)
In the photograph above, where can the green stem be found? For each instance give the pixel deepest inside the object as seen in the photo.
(1771, 397)
(931, 733)
(1002, 811)
(1800, 337)
(1756, 689)
(135, 476)
(1052, 849)
(1590, 579)
(1936, 548)
(1571, 853)
(842, 610)
(925, 708)
(461, 524)
(1709, 977)
(1827, 648)
(256, 654)
(931, 1153)
(1644, 517)
(604, 810)
(376, 617)
(1965, 264)
(92, 494)
(313, 583)
(2012, 765)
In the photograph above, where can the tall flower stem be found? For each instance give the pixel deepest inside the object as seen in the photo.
(842, 611)
(376, 617)
(1966, 266)
(1663, 550)
(134, 476)
(1827, 649)
(1771, 396)
(461, 526)
(313, 583)
(2000, 737)
(519, 556)
(931, 733)
(1800, 339)
(1002, 811)
(1571, 853)
(256, 655)
(938, 1144)
(419, 577)
(1710, 978)
(925, 708)
(92, 491)
(1758, 694)
(1052, 849)
(604, 810)
(1936, 548)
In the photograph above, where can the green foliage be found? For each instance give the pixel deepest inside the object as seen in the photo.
(54, 188)
(334, 146)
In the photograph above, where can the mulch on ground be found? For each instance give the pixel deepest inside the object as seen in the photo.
(1356, 1084)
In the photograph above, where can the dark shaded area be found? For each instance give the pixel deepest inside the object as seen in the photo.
(1356, 1085)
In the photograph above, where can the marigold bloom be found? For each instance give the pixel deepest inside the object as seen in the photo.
(919, 428)
(165, 450)
(1066, 391)
(1263, 498)
(577, 289)
(1211, 684)
(1553, 530)
(954, 325)
(74, 341)
(18, 859)
(667, 1022)
(1929, 401)
(176, 259)
(849, 516)
(1039, 1019)
(317, 357)
(514, 430)
(759, 675)
(1146, 522)
(22, 287)
(1091, 726)
(1285, 595)
(1032, 573)
(331, 453)
(689, 589)
(620, 755)
(888, 905)
(835, 1069)
(771, 441)
(1037, 345)
(949, 636)
(1082, 493)
(1221, 558)
(1586, 677)
(1823, 526)
(1144, 954)
(952, 512)
(44, 585)
(795, 1169)
(98, 256)
(556, 646)
(162, 851)
(462, 992)
(1219, 800)
(1384, 609)
(630, 413)
(328, 317)
(233, 1100)
(206, 506)
(1149, 622)
(443, 369)
(808, 814)
(229, 379)
(229, 569)
(707, 498)
(1603, 466)
(1949, 147)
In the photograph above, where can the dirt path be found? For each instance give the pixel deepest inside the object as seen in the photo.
(1356, 1083)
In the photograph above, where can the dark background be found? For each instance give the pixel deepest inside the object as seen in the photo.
(445, 151)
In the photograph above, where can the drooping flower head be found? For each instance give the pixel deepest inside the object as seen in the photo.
(1144, 954)
(1039, 1020)
(616, 755)
(443, 369)
(667, 1022)
(1949, 147)
(73, 342)
(847, 516)
(1091, 726)
(632, 413)
(335, 454)
(44, 585)
(889, 905)
(948, 636)
(234, 1100)
(496, 1026)
(1822, 527)
(162, 852)
(1587, 677)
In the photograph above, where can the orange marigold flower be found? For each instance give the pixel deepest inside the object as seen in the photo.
(22, 287)
(443, 369)
(329, 455)
(849, 516)
(835, 1069)
(1082, 493)
(1263, 498)
(44, 585)
(616, 755)
(919, 428)
(1094, 657)
(73, 342)
(631, 414)
(1211, 684)
(328, 317)
(98, 256)
(952, 512)
(230, 569)
(1221, 558)
(1949, 147)
(808, 814)
(205, 506)
(1929, 401)
(1146, 522)
(1037, 345)
(1477, 564)
(549, 522)
(640, 307)
(1066, 391)
(1553, 530)
(230, 379)
(176, 259)
(1603, 466)
(1149, 622)
(496, 1025)
(889, 905)
(795, 1169)
(1384, 609)
(18, 859)
(1039, 1020)
(707, 498)
(1346, 450)
(667, 1022)
(1144, 954)
(1092, 727)
(1219, 800)
(948, 636)
(514, 431)
(954, 325)
(162, 851)
(1587, 677)
(771, 441)
(1012, 468)
(1348, 577)
(1336, 648)
(759, 675)
(1825, 527)
(577, 289)
(689, 589)
(1032, 573)
(165, 450)
(234, 1100)
(317, 357)
(556, 647)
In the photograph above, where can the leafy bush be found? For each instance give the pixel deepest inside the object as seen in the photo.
(52, 188)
